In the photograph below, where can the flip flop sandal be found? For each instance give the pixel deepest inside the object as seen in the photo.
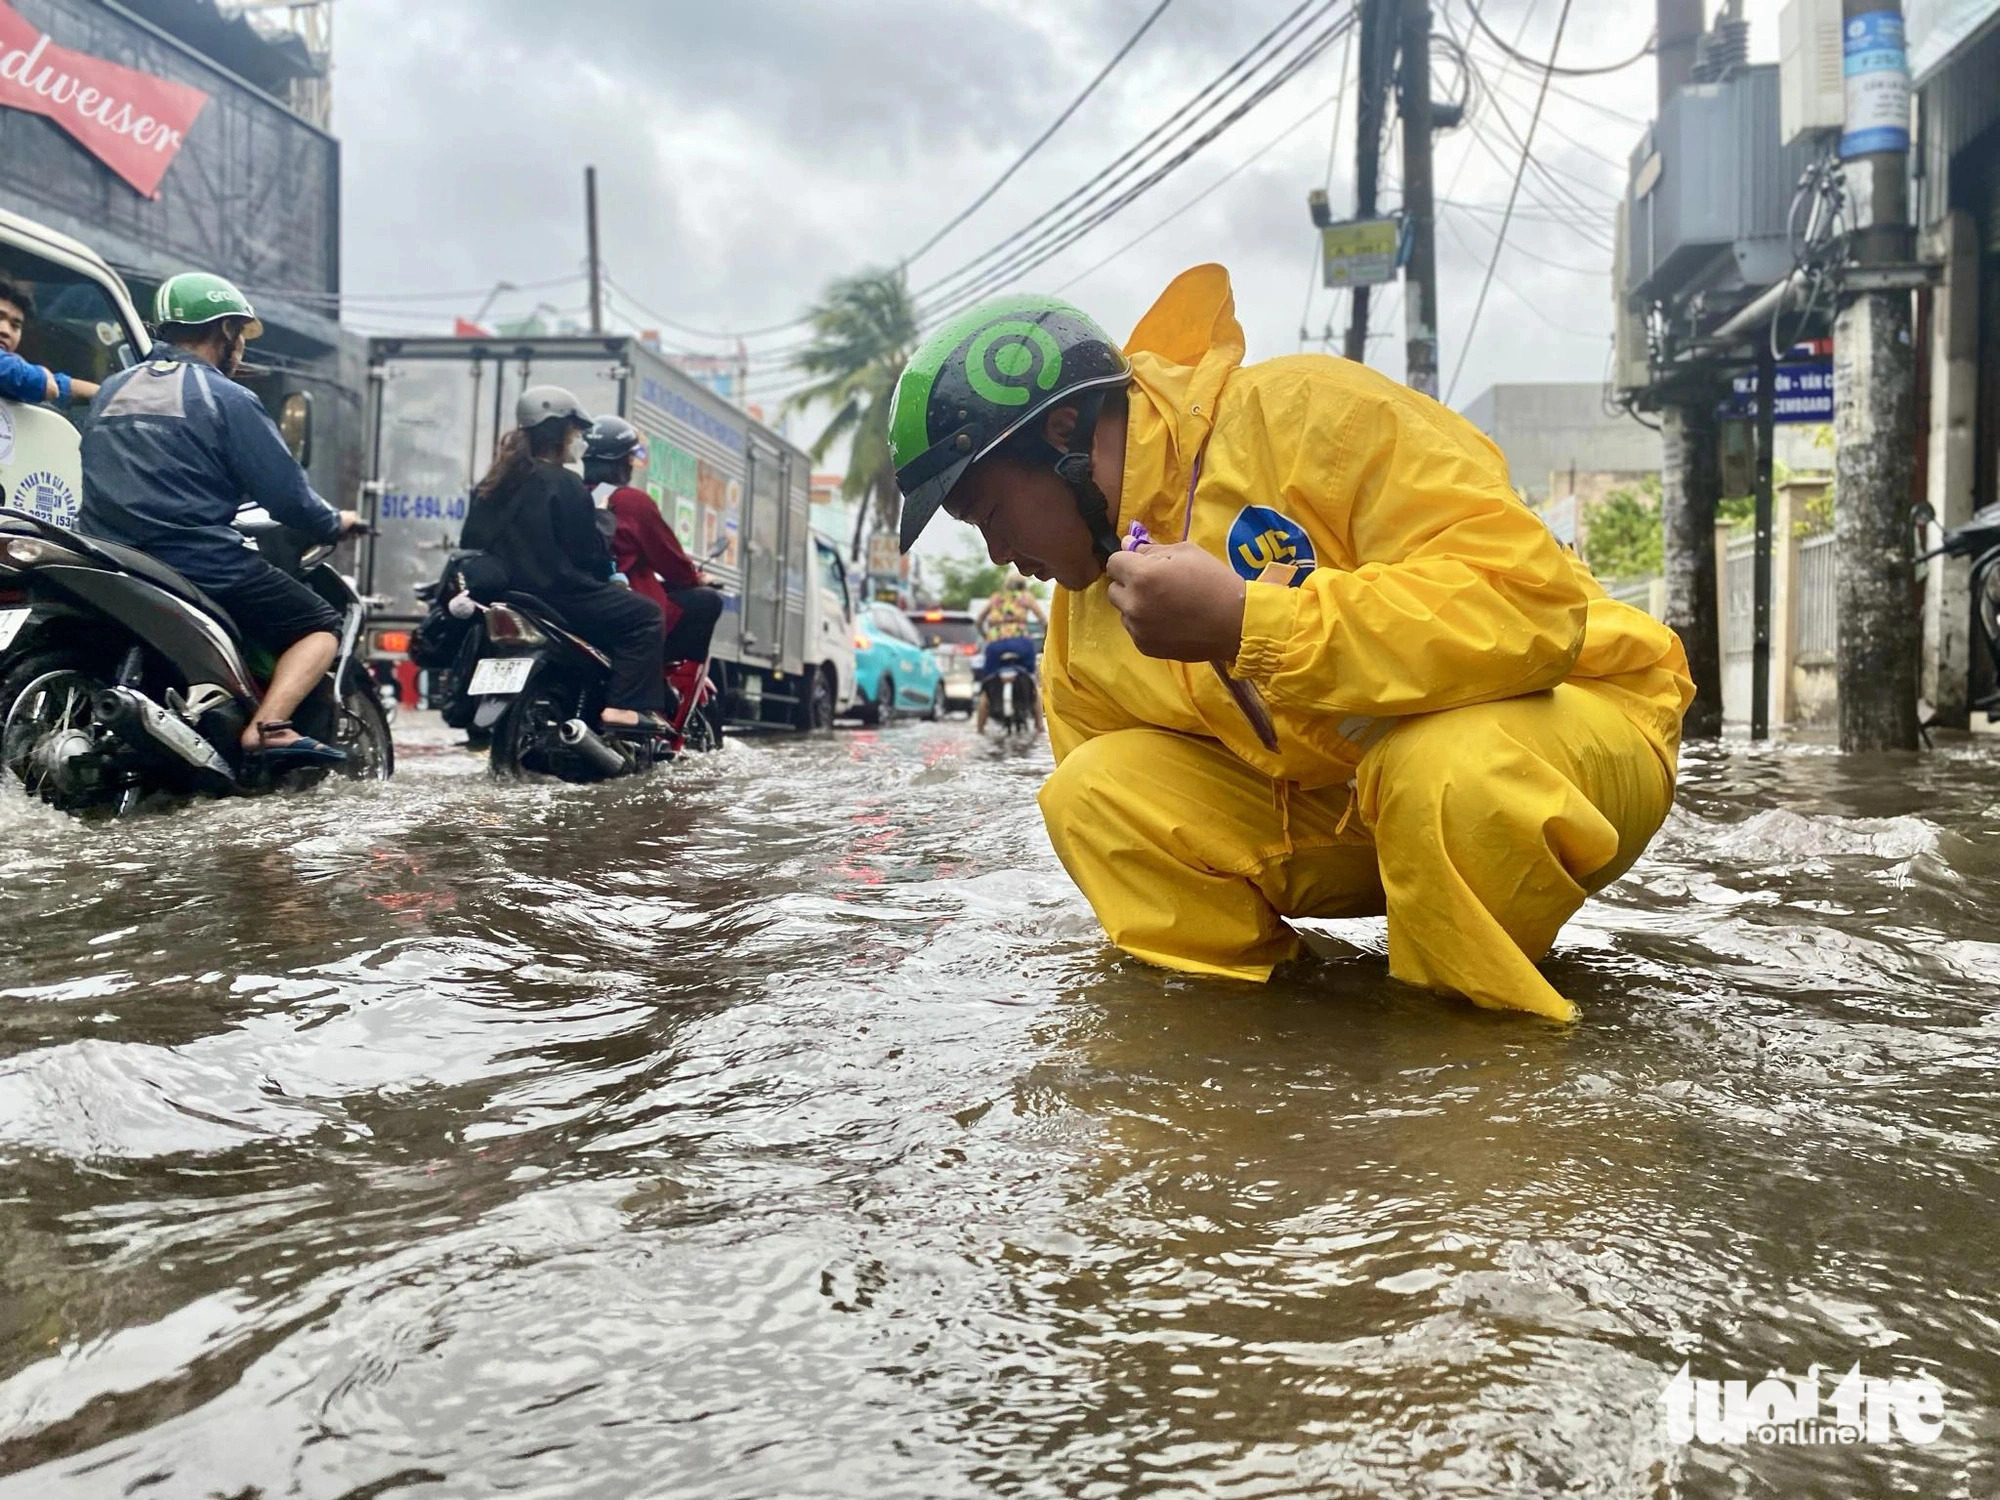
(303, 751)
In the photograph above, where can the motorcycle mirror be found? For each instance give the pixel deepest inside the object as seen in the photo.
(1922, 514)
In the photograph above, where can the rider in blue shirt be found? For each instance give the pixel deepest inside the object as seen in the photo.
(174, 449)
(22, 380)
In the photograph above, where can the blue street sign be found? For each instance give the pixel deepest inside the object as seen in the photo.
(1805, 393)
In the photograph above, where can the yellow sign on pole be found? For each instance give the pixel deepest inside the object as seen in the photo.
(1361, 252)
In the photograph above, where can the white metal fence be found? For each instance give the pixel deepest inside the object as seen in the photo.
(1813, 602)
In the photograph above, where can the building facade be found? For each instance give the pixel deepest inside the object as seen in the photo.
(1551, 430)
(250, 188)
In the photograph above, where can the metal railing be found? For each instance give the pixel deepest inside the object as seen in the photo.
(1739, 605)
(1814, 602)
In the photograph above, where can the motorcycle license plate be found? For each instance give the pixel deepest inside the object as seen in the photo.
(501, 676)
(11, 621)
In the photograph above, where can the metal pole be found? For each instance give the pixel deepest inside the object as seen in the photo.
(1419, 212)
(1679, 23)
(1875, 423)
(1760, 586)
(1367, 153)
(596, 265)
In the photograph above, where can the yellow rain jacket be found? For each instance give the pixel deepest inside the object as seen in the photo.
(1431, 591)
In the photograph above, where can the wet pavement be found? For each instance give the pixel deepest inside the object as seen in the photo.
(780, 1125)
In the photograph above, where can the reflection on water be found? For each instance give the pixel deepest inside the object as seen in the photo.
(780, 1126)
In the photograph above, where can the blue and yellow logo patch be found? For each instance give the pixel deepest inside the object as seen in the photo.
(1262, 536)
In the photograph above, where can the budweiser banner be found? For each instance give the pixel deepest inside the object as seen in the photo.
(132, 122)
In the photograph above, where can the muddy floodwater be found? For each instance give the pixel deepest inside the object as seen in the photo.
(781, 1126)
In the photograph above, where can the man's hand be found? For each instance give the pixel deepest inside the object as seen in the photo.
(351, 523)
(1178, 602)
(82, 392)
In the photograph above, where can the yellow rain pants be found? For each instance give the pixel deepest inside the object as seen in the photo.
(1478, 831)
(1472, 736)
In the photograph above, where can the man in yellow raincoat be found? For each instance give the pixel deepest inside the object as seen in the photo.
(1350, 675)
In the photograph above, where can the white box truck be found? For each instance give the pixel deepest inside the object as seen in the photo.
(734, 491)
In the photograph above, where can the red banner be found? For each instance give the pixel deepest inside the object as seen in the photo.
(132, 122)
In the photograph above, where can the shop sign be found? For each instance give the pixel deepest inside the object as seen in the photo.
(132, 122)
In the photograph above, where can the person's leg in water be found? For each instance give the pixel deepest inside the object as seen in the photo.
(1479, 832)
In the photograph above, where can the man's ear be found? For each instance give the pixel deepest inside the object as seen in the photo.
(1061, 427)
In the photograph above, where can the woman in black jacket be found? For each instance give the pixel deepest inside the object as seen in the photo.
(535, 516)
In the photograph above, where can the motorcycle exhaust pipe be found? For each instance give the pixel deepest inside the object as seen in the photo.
(148, 728)
(578, 738)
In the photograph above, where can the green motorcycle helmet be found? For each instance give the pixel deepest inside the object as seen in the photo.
(194, 299)
(984, 377)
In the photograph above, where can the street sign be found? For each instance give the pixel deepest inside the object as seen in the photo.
(1804, 393)
(1361, 252)
(884, 556)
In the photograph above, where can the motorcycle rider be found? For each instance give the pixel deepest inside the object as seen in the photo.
(533, 514)
(174, 449)
(644, 547)
(1004, 629)
(22, 380)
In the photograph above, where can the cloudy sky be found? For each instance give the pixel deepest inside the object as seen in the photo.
(750, 150)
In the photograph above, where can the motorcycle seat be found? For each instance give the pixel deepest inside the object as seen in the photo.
(537, 606)
(155, 572)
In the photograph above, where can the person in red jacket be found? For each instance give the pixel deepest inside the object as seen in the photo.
(644, 546)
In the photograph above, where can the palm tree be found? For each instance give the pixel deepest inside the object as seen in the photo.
(864, 331)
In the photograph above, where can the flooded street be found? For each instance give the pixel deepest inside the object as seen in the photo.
(781, 1125)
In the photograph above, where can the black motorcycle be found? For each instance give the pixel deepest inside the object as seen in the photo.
(119, 678)
(538, 686)
(1010, 692)
(1979, 539)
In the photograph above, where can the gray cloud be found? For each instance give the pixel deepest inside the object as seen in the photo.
(750, 151)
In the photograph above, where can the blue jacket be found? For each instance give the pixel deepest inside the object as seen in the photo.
(21, 380)
(173, 449)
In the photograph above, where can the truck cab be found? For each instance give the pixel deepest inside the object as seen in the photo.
(83, 325)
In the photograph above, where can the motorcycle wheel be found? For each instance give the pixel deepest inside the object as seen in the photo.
(62, 683)
(364, 735)
(530, 721)
(702, 736)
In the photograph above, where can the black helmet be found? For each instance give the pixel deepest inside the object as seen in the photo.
(612, 440)
(986, 376)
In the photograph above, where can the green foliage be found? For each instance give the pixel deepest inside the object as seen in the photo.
(864, 331)
(1623, 534)
(966, 580)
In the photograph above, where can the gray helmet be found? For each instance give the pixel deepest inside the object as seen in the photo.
(549, 403)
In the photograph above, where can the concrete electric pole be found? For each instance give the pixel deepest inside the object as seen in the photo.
(596, 262)
(1874, 397)
(1377, 46)
(1691, 475)
(1419, 211)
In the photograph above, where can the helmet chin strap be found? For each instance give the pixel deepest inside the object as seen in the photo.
(1074, 468)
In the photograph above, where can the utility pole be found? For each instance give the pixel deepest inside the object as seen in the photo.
(1370, 75)
(1691, 467)
(1874, 400)
(596, 263)
(1419, 212)
(1679, 24)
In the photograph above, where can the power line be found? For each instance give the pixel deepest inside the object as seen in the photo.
(1500, 241)
(1549, 69)
(1034, 255)
(1042, 139)
(1148, 146)
(1219, 183)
